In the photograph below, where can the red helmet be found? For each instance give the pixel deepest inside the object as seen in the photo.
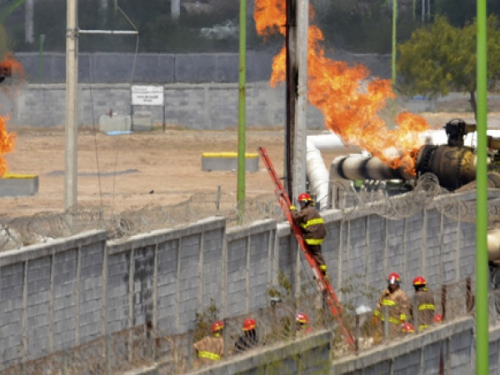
(301, 318)
(394, 278)
(419, 280)
(304, 197)
(407, 328)
(438, 318)
(217, 326)
(249, 324)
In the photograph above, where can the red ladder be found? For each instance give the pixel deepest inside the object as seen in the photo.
(323, 282)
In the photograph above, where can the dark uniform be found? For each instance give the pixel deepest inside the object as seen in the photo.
(314, 231)
(247, 341)
(426, 308)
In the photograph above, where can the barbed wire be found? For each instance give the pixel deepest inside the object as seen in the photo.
(425, 192)
(43, 227)
(146, 345)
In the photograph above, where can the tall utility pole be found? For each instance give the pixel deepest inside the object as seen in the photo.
(240, 193)
(71, 150)
(29, 29)
(296, 95)
(482, 334)
(394, 29)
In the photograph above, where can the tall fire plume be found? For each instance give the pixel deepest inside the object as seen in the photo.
(346, 95)
(8, 66)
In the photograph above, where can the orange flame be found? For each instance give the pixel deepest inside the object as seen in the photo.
(348, 98)
(7, 141)
(8, 66)
(14, 65)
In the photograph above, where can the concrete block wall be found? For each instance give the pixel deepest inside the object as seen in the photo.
(41, 292)
(203, 106)
(448, 349)
(67, 292)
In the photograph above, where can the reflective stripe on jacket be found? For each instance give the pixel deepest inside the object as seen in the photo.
(426, 308)
(398, 306)
(208, 355)
(312, 224)
(209, 349)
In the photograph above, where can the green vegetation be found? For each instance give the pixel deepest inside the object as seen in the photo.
(441, 58)
(204, 320)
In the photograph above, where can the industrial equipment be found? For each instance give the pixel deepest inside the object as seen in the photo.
(454, 164)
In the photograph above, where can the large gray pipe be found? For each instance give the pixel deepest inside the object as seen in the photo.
(315, 167)
(361, 167)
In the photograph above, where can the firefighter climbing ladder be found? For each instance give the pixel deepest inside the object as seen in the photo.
(323, 283)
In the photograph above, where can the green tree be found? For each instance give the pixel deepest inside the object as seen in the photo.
(441, 58)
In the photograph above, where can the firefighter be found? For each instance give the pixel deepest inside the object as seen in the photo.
(407, 328)
(302, 324)
(211, 348)
(425, 303)
(249, 339)
(398, 305)
(313, 228)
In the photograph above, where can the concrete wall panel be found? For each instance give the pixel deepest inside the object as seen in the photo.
(38, 305)
(143, 285)
(236, 276)
(258, 271)
(376, 272)
(11, 307)
(118, 292)
(91, 299)
(65, 271)
(189, 281)
(167, 284)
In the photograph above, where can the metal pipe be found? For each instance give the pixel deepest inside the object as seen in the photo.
(317, 174)
(115, 32)
(482, 334)
(71, 133)
(316, 170)
(360, 167)
(242, 107)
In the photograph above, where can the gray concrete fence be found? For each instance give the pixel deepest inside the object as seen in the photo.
(66, 292)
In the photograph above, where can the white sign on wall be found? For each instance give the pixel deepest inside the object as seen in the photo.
(147, 95)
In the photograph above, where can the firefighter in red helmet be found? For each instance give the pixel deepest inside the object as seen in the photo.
(398, 305)
(249, 339)
(211, 348)
(424, 303)
(302, 326)
(407, 328)
(313, 228)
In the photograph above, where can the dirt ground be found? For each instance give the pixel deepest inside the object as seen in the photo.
(132, 171)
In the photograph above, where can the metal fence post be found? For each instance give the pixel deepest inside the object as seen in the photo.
(217, 204)
(416, 323)
(107, 355)
(356, 333)
(190, 338)
(443, 301)
(386, 322)
(225, 337)
(64, 363)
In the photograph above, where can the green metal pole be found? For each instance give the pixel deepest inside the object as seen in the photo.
(240, 194)
(394, 20)
(482, 347)
(40, 59)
